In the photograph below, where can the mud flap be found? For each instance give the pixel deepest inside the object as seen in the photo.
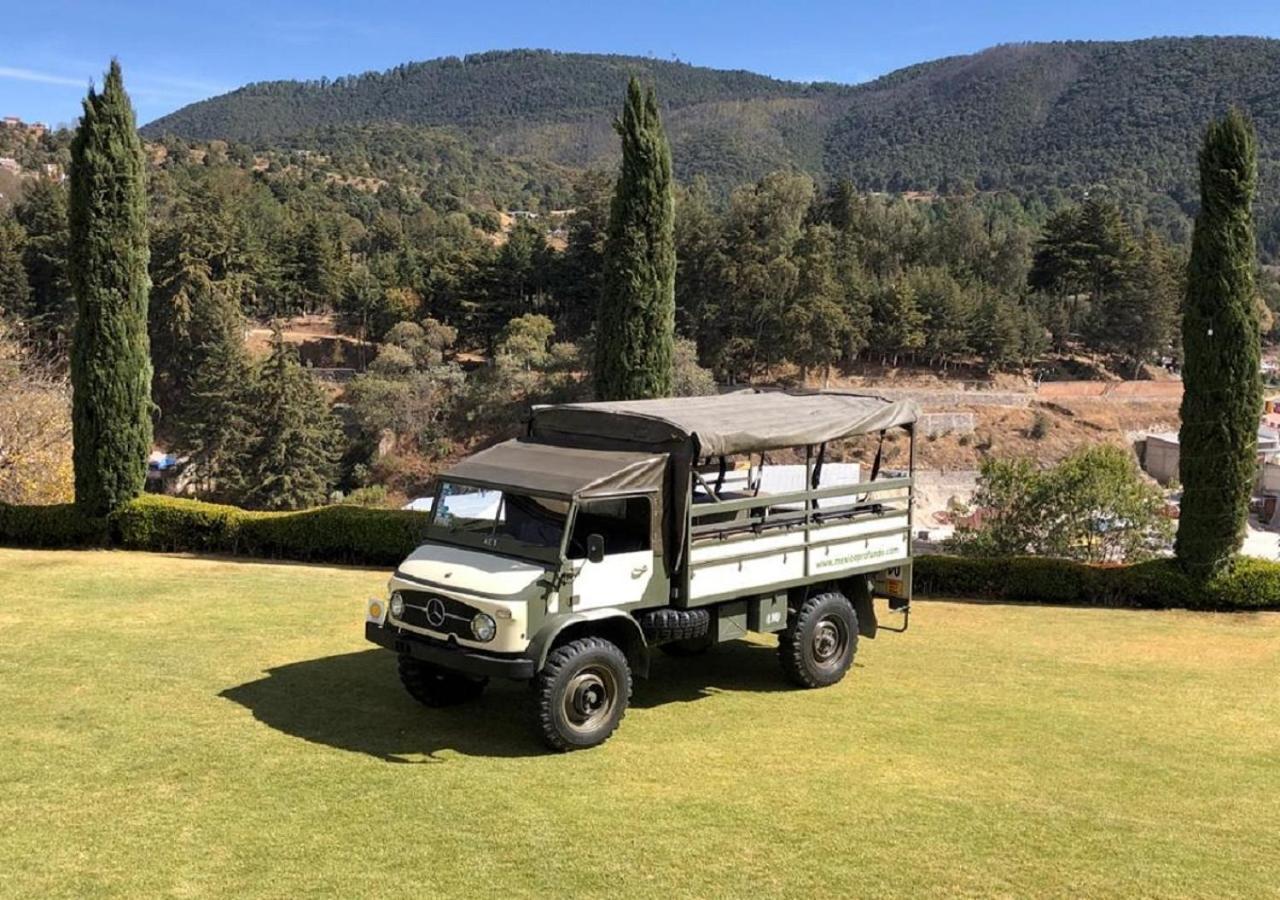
(858, 590)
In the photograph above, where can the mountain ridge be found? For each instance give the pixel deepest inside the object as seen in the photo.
(1034, 117)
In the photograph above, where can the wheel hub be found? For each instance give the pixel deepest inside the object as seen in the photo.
(588, 699)
(828, 641)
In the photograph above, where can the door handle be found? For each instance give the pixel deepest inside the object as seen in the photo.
(638, 571)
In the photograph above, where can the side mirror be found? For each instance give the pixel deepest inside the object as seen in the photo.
(595, 548)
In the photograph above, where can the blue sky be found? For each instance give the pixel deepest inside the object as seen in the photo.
(175, 53)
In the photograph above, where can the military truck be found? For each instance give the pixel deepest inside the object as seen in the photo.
(564, 557)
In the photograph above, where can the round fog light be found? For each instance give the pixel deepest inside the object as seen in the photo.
(483, 627)
(397, 604)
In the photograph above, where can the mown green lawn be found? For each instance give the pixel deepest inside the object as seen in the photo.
(192, 727)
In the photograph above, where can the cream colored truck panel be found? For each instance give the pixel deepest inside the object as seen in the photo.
(845, 555)
(620, 579)
(787, 562)
(743, 576)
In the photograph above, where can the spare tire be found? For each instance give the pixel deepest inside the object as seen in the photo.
(661, 626)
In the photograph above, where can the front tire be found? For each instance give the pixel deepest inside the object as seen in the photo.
(818, 645)
(582, 694)
(434, 686)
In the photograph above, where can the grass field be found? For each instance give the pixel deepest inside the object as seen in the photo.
(192, 727)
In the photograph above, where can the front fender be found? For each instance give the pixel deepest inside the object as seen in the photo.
(613, 624)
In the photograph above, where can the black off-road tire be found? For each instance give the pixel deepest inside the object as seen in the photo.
(688, 647)
(581, 694)
(433, 686)
(821, 638)
(661, 626)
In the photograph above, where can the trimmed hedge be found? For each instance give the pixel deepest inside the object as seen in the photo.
(364, 536)
(59, 525)
(340, 534)
(1248, 584)
(335, 534)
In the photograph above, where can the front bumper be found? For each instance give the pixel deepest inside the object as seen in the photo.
(442, 654)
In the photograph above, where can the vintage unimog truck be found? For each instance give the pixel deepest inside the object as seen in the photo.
(563, 557)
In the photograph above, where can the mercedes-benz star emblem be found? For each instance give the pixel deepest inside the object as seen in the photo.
(435, 612)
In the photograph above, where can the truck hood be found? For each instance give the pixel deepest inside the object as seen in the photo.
(469, 571)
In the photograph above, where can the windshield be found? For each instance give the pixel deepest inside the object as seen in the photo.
(518, 524)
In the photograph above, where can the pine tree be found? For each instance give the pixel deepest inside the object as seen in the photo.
(318, 269)
(15, 293)
(636, 327)
(898, 324)
(110, 359)
(1222, 394)
(209, 414)
(216, 431)
(815, 324)
(1138, 319)
(42, 213)
(293, 460)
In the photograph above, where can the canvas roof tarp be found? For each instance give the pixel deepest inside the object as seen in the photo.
(724, 424)
(568, 472)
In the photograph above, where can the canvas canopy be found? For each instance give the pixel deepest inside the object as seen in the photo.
(525, 466)
(741, 422)
(686, 428)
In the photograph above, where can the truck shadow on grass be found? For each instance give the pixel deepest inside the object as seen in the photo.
(353, 701)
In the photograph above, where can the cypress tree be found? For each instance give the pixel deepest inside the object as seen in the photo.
(636, 328)
(110, 359)
(1222, 395)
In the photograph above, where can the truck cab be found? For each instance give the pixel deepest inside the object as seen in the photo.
(565, 556)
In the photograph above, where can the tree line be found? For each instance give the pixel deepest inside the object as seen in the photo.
(783, 278)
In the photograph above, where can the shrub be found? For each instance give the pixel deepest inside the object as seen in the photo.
(168, 524)
(1155, 584)
(1055, 581)
(1094, 506)
(1039, 426)
(346, 534)
(339, 534)
(56, 525)
(1245, 584)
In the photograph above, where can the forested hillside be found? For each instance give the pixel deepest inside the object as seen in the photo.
(456, 262)
(1039, 120)
(1036, 117)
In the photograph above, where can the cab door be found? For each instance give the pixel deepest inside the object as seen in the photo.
(625, 574)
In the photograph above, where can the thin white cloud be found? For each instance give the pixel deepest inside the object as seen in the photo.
(41, 77)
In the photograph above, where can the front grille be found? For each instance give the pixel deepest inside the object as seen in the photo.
(420, 606)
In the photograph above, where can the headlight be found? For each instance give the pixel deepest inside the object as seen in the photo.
(483, 627)
(397, 604)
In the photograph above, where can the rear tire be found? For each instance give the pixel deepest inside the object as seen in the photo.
(582, 694)
(818, 645)
(434, 686)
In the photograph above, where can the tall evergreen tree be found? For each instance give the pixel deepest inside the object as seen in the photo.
(42, 213)
(110, 357)
(815, 324)
(636, 328)
(15, 293)
(215, 427)
(1222, 394)
(294, 458)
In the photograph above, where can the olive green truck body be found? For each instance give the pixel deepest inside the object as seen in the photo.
(565, 556)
